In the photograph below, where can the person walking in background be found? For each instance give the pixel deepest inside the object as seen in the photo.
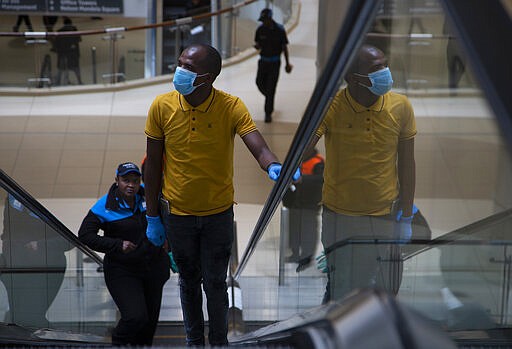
(135, 270)
(68, 53)
(271, 41)
(455, 60)
(369, 179)
(26, 20)
(190, 137)
(303, 201)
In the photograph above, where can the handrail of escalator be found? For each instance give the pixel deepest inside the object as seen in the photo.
(355, 25)
(452, 238)
(455, 236)
(46, 216)
(176, 22)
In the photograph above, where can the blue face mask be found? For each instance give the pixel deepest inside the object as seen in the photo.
(184, 81)
(381, 81)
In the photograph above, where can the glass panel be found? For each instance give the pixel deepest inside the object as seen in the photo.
(463, 176)
(464, 284)
(272, 288)
(120, 56)
(45, 281)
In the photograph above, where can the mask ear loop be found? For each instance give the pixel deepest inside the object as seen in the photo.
(364, 76)
(199, 76)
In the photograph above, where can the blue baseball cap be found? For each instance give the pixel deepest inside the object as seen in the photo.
(127, 167)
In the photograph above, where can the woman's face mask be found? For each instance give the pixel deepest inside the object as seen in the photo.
(184, 81)
(381, 80)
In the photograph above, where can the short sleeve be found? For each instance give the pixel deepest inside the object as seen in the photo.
(153, 127)
(407, 121)
(331, 112)
(244, 124)
(321, 130)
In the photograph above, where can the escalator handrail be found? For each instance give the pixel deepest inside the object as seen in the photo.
(355, 25)
(456, 235)
(452, 238)
(46, 216)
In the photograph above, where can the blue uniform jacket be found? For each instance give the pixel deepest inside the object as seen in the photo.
(118, 222)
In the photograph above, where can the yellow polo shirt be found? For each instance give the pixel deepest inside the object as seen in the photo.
(199, 144)
(360, 176)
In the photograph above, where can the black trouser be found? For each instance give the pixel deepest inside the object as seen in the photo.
(266, 80)
(137, 292)
(303, 231)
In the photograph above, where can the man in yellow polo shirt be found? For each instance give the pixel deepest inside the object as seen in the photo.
(190, 138)
(369, 177)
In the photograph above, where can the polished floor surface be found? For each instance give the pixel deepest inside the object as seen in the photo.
(64, 149)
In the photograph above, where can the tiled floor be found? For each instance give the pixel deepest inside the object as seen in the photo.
(64, 148)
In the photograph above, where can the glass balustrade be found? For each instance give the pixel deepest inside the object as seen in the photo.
(456, 269)
(108, 55)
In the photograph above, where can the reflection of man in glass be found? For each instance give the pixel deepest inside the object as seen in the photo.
(369, 176)
(34, 253)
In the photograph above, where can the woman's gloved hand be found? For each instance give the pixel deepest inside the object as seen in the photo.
(174, 267)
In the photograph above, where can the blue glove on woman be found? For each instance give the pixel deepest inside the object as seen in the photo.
(155, 230)
(274, 170)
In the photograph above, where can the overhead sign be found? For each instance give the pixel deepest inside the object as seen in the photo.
(105, 7)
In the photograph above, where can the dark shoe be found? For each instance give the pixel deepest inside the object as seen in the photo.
(303, 264)
(268, 118)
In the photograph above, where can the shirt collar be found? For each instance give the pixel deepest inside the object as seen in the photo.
(358, 108)
(203, 107)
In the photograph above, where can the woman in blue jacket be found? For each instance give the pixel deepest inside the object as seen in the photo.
(135, 270)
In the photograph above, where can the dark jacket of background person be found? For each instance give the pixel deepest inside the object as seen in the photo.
(308, 191)
(134, 279)
(303, 202)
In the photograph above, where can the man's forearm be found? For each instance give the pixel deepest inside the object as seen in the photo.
(153, 176)
(407, 189)
(406, 176)
(152, 188)
(286, 57)
(259, 149)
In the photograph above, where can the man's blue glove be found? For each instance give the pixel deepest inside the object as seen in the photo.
(274, 170)
(400, 212)
(155, 230)
(403, 228)
(174, 267)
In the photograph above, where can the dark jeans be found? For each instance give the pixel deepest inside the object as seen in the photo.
(137, 292)
(201, 247)
(266, 80)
